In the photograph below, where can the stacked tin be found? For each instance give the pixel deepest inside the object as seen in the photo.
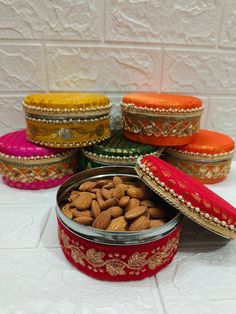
(173, 121)
(45, 154)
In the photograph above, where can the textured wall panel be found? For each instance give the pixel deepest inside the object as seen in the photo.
(11, 114)
(228, 30)
(106, 69)
(199, 71)
(21, 68)
(182, 21)
(66, 19)
(222, 115)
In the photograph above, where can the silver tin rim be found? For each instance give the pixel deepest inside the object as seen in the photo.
(108, 237)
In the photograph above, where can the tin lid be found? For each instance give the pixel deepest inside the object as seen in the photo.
(164, 102)
(208, 143)
(189, 196)
(67, 104)
(16, 144)
(119, 147)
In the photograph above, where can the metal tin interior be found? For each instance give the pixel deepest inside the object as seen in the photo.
(108, 237)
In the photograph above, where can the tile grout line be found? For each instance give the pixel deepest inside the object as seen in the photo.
(45, 225)
(159, 295)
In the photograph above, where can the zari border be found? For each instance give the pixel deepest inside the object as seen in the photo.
(204, 219)
(102, 263)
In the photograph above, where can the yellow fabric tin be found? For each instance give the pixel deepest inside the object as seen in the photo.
(67, 119)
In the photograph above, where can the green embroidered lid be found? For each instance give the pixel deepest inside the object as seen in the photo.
(118, 150)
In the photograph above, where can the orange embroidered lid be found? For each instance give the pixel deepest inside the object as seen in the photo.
(208, 143)
(163, 101)
(190, 197)
(58, 103)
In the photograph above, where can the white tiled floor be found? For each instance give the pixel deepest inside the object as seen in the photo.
(36, 278)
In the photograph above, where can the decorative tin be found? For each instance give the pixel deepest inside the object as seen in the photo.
(161, 119)
(25, 165)
(192, 198)
(207, 158)
(117, 150)
(115, 256)
(67, 119)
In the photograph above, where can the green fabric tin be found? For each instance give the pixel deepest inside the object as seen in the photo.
(117, 150)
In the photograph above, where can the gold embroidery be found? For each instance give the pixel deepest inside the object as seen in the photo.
(202, 170)
(160, 126)
(115, 265)
(40, 172)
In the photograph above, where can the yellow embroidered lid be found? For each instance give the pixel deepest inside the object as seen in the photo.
(67, 119)
(58, 103)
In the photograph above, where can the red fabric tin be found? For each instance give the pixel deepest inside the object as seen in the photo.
(189, 196)
(161, 119)
(25, 165)
(208, 158)
(115, 256)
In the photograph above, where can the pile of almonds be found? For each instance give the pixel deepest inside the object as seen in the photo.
(116, 204)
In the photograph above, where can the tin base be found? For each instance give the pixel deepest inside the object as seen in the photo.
(159, 140)
(118, 262)
(37, 185)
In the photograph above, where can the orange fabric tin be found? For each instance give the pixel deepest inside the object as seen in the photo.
(161, 119)
(207, 158)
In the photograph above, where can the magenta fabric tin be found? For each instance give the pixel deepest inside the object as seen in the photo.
(25, 165)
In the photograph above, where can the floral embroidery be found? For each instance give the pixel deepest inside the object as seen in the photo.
(115, 264)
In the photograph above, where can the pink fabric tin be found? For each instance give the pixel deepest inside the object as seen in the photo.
(24, 165)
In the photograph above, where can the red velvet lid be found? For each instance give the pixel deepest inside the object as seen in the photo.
(189, 196)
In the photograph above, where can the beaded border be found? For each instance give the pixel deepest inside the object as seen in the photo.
(204, 219)
(130, 107)
(65, 121)
(67, 110)
(122, 160)
(38, 159)
(67, 145)
(196, 156)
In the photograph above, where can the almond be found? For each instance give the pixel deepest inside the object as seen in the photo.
(78, 213)
(84, 220)
(83, 201)
(102, 182)
(156, 223)
(109, 203)
(117, 180)
(156, 212)
(147, 203)
(124, 201)
(103, 220)
(87, 186)
(88, 193)
(99, 198)
(135, 212)
(67, 211)
(106, 193)
(118, 224)
(95, 209)
(134, 202)
(109, 185)
(73, 196)
(140, 223)
(116, 211)
(139, 193)
(118, 192)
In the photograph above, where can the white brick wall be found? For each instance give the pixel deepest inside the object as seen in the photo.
(116, 46)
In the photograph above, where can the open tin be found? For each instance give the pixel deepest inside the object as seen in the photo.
(121, 256)
(115, 256)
